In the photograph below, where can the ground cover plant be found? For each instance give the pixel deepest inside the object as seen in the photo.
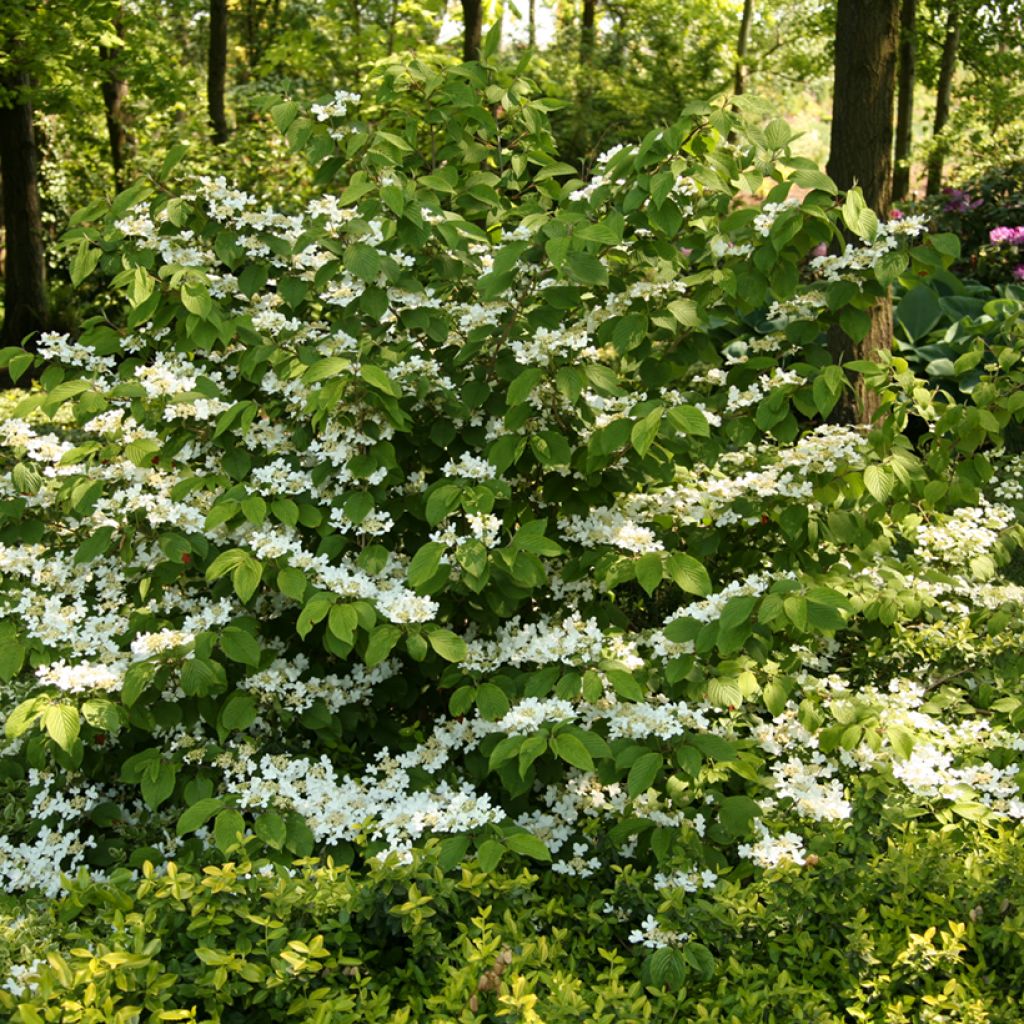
(488, 530)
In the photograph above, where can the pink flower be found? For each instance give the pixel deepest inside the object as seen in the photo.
(1006, 236)
(895, 214)
(1018, 272)
(819, 250)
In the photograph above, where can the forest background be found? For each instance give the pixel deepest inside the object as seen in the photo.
(94, 94)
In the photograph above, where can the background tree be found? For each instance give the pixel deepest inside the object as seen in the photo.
(742, 45)
(905, 99)
(217, 69)
(114, 89)
(472, 30)
(867, 33)
(943, 97)
(26, 309)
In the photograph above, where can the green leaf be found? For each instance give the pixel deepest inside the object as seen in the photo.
(238, 712)
(879, 481)
(271, 828)
(713, 746)
(571, 750)
(528, 845)
(689, 420)
(646, 430)
(689, 575)
(198, 814)
(62, 723)
(196, 299)
(83, 263)
(158, 783)
(492, 702)
(521, 388)
(666, 968)
(736, 813)
(292, 583)
(441, 501)
(12, 652)
(227, 827)
(448, 645)
(795, 607)
(241, 646)
(811, 179)
(382, 641)
(587, 268)
(489, 854)
(424, 564)
(902, 741)
(377, 378)
(643, 773)
(649, 571)
(724, 692)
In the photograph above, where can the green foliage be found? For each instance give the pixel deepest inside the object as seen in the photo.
(905, 927)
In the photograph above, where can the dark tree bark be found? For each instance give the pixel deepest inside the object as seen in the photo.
(531, 24)
(905, 99)
(867, 32)
(26, 310)
(588, 33)
(943, 99)
(742, 46)
(217, 70)
(472, 29)
(115, 90)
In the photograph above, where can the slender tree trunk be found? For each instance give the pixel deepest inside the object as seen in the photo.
(905, 99)
(588, 32)
(472, 29)
(943, 98)
(742, 46)
(26, 310)
(392, 26)
(531, 24)
(115, 90)
(867, 32)
(217, 69)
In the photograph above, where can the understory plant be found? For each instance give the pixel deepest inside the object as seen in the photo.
(480, 506)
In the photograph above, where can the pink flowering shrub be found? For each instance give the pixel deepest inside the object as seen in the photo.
(475, 501)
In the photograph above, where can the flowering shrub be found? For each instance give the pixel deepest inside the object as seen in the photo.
(984, 212)
(478, 502)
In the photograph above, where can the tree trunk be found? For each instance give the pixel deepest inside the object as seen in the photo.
(217, 69)
(867, 32)
(943, 98)
(26, 310)
(742, 45)
(905, 99)
(115, 90)
(588, 31)
(473, 29)
(531, 24)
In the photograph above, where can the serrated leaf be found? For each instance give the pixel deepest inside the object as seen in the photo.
(448, 645)
(492, 702)
(643, 773)
(646, 430)
(63, 725)
(689, 575)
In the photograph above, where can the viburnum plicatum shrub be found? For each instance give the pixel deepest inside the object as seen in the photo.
(481, 501)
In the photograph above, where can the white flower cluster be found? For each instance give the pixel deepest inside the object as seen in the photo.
(969, 532)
